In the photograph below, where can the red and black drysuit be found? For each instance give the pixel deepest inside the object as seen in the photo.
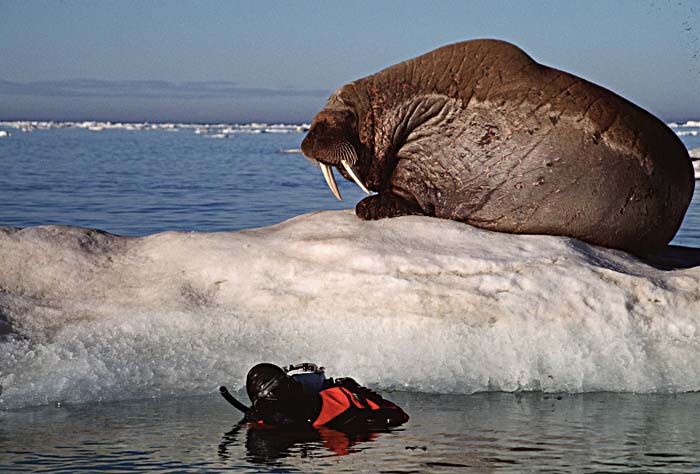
(343, 413)
(347, 404)
(342, 403)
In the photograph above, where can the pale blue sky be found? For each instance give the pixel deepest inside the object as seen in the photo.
(243, 61)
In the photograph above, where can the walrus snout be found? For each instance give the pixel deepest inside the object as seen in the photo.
(330, 143)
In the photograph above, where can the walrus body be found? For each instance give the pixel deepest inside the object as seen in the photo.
(480, 133)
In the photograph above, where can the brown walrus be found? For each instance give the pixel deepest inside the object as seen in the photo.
(480, 133)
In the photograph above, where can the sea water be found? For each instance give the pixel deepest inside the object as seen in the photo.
(509, 352)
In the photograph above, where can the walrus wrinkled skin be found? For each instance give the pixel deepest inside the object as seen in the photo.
(480, 133)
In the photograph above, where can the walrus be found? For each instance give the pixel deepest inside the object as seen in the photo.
(479, 132)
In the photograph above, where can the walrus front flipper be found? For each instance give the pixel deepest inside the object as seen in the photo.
(380, 206)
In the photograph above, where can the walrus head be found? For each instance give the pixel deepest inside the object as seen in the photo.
(333, 141)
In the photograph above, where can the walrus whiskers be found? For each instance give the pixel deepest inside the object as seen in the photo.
(349, 153)
(348, 158)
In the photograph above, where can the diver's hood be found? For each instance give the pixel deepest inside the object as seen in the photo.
(267, 382)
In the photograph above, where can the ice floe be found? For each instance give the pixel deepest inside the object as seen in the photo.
(204, 129)
(412, 303)
(688, 124)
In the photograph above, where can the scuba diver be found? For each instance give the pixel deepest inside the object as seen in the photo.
(301, 396)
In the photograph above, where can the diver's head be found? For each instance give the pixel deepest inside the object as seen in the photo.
(269, 382)
(276, 397)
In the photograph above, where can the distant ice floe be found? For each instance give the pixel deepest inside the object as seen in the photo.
(682, 129)
(412, 303)
(688, 124)
(695, 159)
(4, 133)
(202, 129)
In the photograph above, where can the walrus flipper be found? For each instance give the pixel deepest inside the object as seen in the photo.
(379, 206)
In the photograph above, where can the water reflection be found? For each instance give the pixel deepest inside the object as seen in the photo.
(268, 445)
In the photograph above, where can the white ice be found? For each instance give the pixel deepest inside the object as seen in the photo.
(99, 126)
(411, 303)
(695, 160)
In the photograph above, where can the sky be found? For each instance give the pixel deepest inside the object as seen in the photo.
(278, 61)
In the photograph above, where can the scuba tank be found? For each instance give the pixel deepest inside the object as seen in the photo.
(311, 377)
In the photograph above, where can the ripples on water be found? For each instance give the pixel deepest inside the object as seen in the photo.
(137, 183)
(477, 433)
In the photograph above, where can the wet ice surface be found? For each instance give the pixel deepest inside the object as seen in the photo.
(446, 433)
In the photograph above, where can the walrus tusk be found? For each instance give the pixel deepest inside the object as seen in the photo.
(330, 179)
(354, 176)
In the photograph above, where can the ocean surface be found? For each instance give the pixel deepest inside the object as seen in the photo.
(510, 353)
